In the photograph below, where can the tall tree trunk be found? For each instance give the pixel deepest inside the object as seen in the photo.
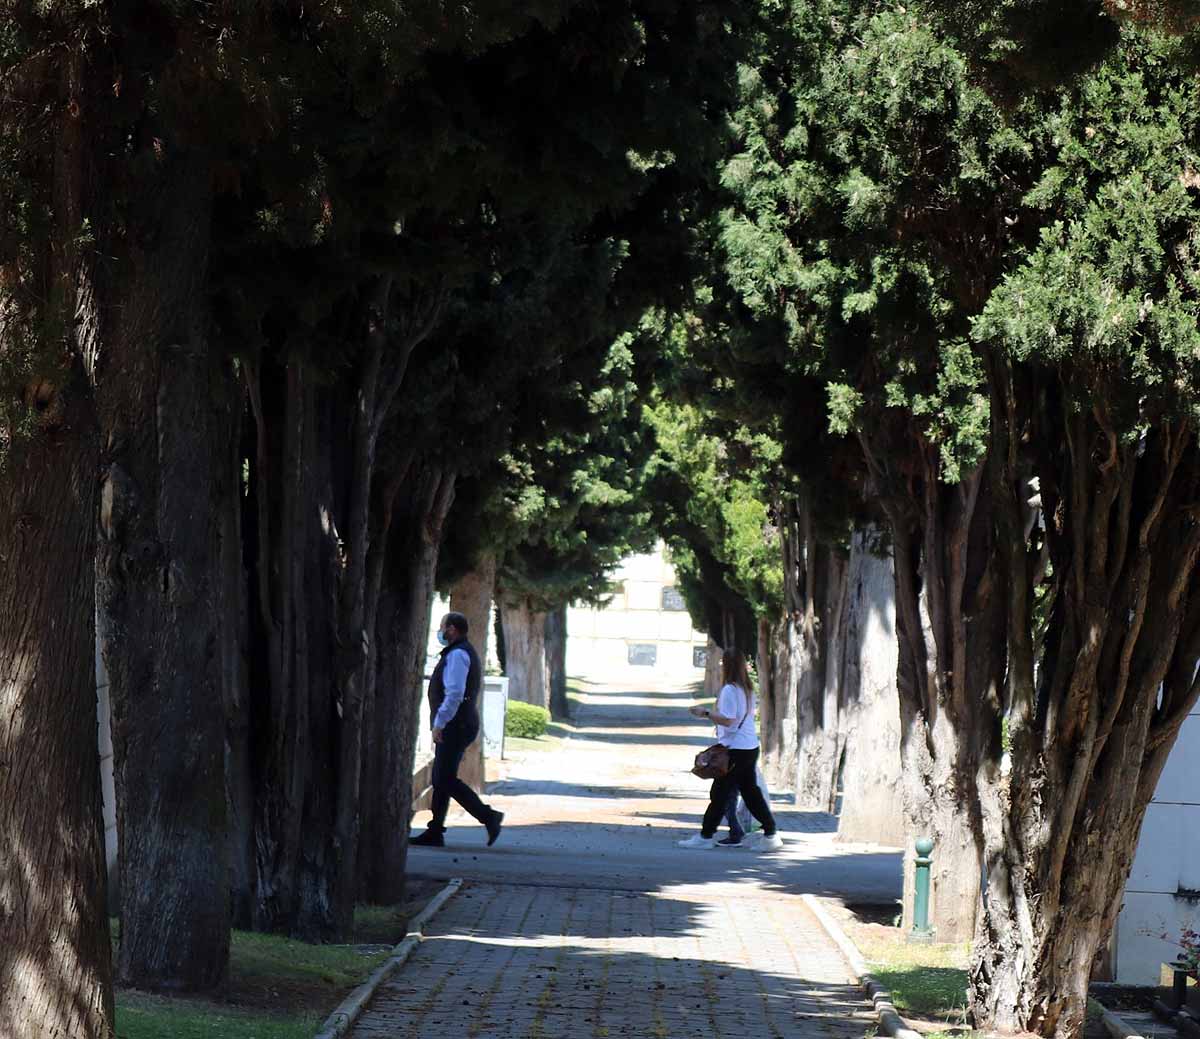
(770, 697)
(233, 618)
(472, 596)
(406, 597)
(525, 650)
(819, 767)
(56, 971)
(814, 589)
(556, 662)
(316, 468)
(233, 639)
(294, 551)
(1049, 727)
(934, 809)
(712, 669)
(934, 745)
(782, 763)
(872, 807)
(157, 581)
(1092, 725)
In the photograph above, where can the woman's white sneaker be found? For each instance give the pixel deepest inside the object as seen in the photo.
(772, 843)
(696, 841)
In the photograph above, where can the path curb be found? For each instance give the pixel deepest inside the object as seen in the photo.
(1115, 1025)
(890, 1021)
(350, 1009)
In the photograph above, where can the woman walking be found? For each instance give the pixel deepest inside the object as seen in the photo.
(736, 731)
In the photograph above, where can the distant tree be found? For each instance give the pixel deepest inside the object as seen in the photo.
(581, 505)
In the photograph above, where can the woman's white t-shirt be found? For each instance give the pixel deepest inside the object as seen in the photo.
(741, 733)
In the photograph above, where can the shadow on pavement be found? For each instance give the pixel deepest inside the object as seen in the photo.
(555, 788)
(787, 821)
(634, 738)
(644, 858)
(602, 964)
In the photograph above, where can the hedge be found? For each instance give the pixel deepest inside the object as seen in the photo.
(525, 720)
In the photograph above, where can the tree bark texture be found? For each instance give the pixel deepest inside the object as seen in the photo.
(769, 695)
(872, 804)
(56, 971)
(712, 669)
(779, 722)
(934, 712)
(819, 693)
(525, 650)
(1049, 620)
(397, 707)
(294, 553)
(472, 596)
(804, 739)
(556, 662)
(321, 520)
(391, 334)
(234, 638)
(158, 579)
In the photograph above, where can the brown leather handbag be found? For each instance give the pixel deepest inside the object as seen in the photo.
(714, 762)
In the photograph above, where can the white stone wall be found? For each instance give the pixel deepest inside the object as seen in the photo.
(599, 640)
(1163, 893)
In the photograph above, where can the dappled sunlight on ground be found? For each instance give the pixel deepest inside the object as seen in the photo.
(586, 919)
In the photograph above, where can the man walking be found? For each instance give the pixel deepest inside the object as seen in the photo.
(454, 716)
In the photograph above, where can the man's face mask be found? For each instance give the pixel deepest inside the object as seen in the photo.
(441, 637)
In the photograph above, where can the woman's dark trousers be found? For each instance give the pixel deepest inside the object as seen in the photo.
(447, 756)
(740, 777)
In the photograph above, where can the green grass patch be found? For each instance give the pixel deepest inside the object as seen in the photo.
(268, 959)
(924, 980)
(279, 988)
(380, 925)
(142, 1016)
(925, 991)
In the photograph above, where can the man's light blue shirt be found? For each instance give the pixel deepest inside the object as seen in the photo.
(454, 684)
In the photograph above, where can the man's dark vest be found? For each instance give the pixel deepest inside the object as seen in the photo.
(437, 690)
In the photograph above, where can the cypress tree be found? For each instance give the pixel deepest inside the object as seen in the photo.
(999, 309)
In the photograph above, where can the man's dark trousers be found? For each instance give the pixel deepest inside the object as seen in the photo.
(447, 756)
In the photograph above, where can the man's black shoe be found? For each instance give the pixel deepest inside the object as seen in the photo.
(430, 839)
(495, 820)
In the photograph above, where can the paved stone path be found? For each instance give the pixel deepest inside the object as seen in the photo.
(586, 920)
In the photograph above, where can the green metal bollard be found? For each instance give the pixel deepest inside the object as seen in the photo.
(921, 931)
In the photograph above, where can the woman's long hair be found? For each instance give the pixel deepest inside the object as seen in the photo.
(734, 670)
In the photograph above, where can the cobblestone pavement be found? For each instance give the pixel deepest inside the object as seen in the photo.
(523, 961)
(586, 920)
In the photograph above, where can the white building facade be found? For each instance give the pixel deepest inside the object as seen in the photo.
(645, 631)
(1163, 893)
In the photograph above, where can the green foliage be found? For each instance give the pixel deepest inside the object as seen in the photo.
(712, 501)
(1019, 46)
(1108, 292)
(525, 720)
(1059, 232)
(576, 501)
